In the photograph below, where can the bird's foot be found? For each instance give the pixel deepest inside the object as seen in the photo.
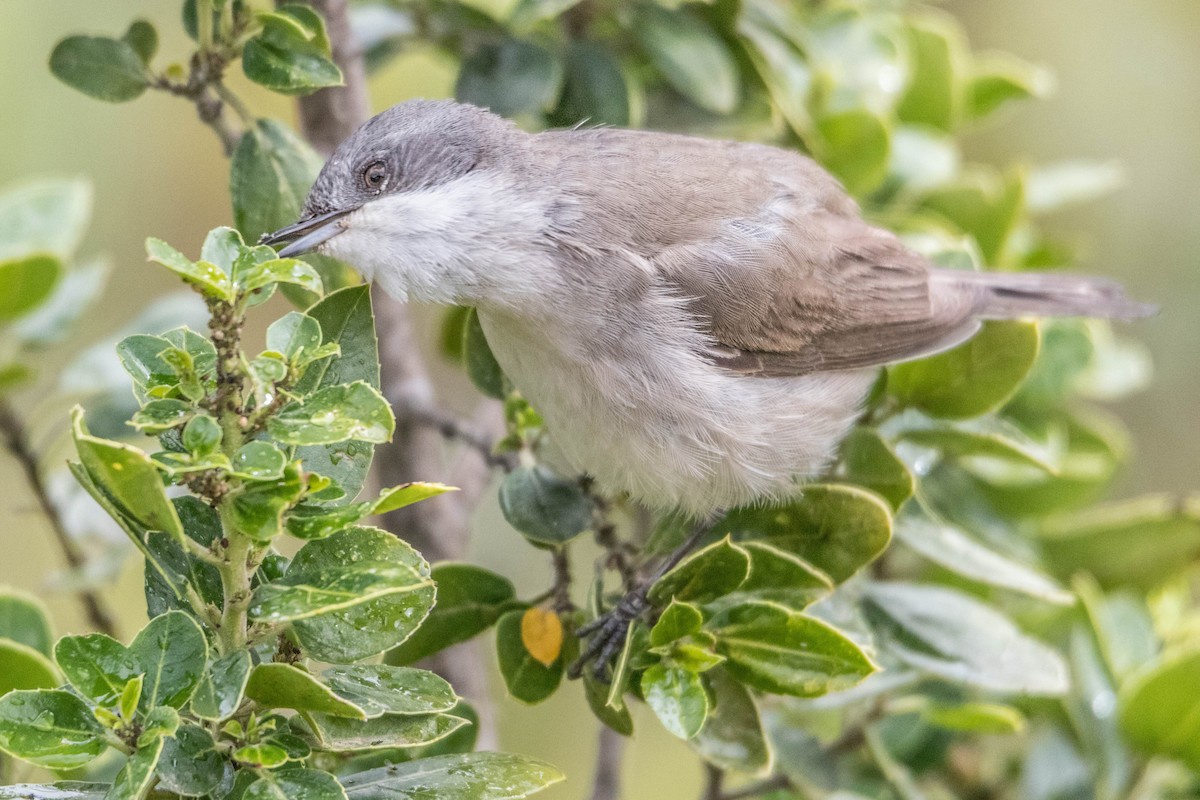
(606, 634)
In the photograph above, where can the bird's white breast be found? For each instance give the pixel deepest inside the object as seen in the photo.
(647, 414)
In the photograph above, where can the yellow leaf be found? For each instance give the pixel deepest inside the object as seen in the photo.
(542, 635)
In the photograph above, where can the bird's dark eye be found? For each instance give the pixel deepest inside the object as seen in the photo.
(375, 176)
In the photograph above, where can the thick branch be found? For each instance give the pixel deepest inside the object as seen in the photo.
(16, 440)
(606, 782)
(437, 527)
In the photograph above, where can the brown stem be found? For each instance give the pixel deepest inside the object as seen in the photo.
(562, 581)
(16, 440)
(437, 527)
(606, 781)
(451, 427)
(714, 777)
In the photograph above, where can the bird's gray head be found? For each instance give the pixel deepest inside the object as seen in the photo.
(415, 198)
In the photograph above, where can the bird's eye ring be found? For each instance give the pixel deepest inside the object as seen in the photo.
(375, 176)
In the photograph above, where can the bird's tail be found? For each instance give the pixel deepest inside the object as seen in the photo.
(1008, 295)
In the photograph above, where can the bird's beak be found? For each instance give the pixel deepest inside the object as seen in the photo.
(307, 234)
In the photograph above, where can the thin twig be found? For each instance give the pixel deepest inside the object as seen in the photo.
(618, 554)
(606, 781)
(452, 427)
(561, 591)
(714, 777)
(16, 440)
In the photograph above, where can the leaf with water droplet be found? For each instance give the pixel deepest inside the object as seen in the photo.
(172, 651)
(190, 764)
(222, 686)
(355, 411)
(382, 689)
(49, 728)
(295, 784)
(341, 735)
(465, 775)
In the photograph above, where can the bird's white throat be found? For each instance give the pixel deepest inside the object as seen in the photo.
(461, 242)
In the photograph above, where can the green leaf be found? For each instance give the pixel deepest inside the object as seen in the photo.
(972, 379)
(406, 494)
(780, 65)
(25, 283)
(996, 80)
(45, 216)
(678, 621)
(463, 776)
(990, 438)
(955, 636)
(222, 686)
(60, 790)
(989, 718)
(469, 600)
(856, 148)
(131, 695)
(136, 778)
(618, 719)
(677, 698)
(294, 334)
(732, 737)
(1137, 543)
(354, 411)
(291, 55)
(25, 620)
(526, 678)
(380, 689)
(127, 477)
(261, 755)
(937, 51)
(158, 416)
(49, 728)
(704, 575)
(953, 548)
(259, 506)
(595, 90)
(987, 206)
(778, 576)
(97, 665)
(543, 507)
(482, 367)
(103, 68)
(202, 435)
(210, 279)
(362, 624)
(159, 723)
(299, 597)
(173, 569)
(270, 175)
(142, 37)
(1160, 708)
(22, 667)
(775, 650)
(172, 651)
(691, 57)
(838, 529)
(295, 784)
(1067, 183)
(263, 274)
(341, 735)
(347, 321)
(190, 764)
(278, 685)
(259, 461)
(511, 77)
(867, 460)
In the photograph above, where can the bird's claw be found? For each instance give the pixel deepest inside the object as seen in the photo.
(606, 634)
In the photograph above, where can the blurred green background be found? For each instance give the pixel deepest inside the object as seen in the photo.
(1127, 90)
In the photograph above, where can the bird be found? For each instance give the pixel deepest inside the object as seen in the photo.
(698, 321)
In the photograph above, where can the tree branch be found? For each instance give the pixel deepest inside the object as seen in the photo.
(16, 440)
(606, 781)
(439, 526)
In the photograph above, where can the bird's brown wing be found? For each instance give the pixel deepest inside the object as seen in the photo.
(802, 289)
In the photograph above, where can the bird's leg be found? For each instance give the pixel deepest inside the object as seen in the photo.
(607, 633)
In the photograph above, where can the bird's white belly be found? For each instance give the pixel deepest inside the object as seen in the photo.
(654, 419)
